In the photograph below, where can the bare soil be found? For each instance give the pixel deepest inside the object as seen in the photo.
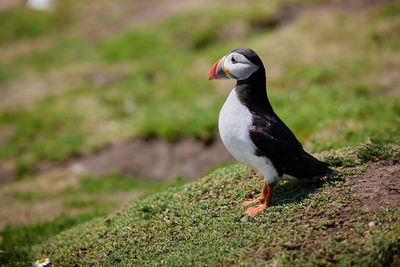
(153, 158)
(16, 212)
(373, 185)
(125, 14)
(4, 4)
(28, 91)
(378, 186)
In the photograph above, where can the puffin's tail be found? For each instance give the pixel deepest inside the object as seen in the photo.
(308, 167)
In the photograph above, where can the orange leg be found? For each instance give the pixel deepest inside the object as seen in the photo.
(267, 201)
(257, 200)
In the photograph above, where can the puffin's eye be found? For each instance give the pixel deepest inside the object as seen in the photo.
(233, 60)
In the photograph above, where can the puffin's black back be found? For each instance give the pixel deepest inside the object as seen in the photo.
(272, 138)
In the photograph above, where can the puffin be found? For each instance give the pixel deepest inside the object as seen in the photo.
(253, 133)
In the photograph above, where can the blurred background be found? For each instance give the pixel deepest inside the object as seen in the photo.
(102, 102)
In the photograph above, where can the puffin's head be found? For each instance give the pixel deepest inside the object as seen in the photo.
(239, 64)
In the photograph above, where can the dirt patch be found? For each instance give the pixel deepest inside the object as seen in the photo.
(125, 14)
(378, 187)
(352, 211)
(16, 212)
(5, 4)
(6, 172)
(289, 12)
(30, 90)
(153, 158)
(390, 79)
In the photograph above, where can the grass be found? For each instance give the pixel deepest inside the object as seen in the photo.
(152, 82)
(25, 23)
(114, 183)
(165, 69)
(373, 152)
(364, 153)
(199, 224)
(91, 198)
(17, 240)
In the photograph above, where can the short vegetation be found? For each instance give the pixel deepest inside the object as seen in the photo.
(75, 80)
(200, 224)
(152, 81)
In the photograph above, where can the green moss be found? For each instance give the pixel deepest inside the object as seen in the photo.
(329, 101)
(16, 240)
(115, 182)
(100, 195)
(373, 152)
(199, 224)
(390, 10)
(25, 23)
(49, 132)
(134, 45)
(338, 161)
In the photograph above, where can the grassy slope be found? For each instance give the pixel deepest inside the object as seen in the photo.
(65, 207)
(350, 84)
(146, 72)
(199, 224)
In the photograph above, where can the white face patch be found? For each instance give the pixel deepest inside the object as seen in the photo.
(239, 66)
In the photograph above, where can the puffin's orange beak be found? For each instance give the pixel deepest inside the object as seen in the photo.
(213, 72)
(217, 72)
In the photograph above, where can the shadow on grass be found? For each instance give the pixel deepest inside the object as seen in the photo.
(295, 191)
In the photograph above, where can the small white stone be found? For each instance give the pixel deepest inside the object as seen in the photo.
(245, 218)
(128, 106)
(40, 4)
(76, 168)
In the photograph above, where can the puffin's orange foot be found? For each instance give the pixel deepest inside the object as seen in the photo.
(248, 202)
(256, 209)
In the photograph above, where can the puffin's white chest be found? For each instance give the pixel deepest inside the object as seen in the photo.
(234, 122)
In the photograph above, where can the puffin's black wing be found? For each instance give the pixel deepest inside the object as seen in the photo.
(274, 140)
